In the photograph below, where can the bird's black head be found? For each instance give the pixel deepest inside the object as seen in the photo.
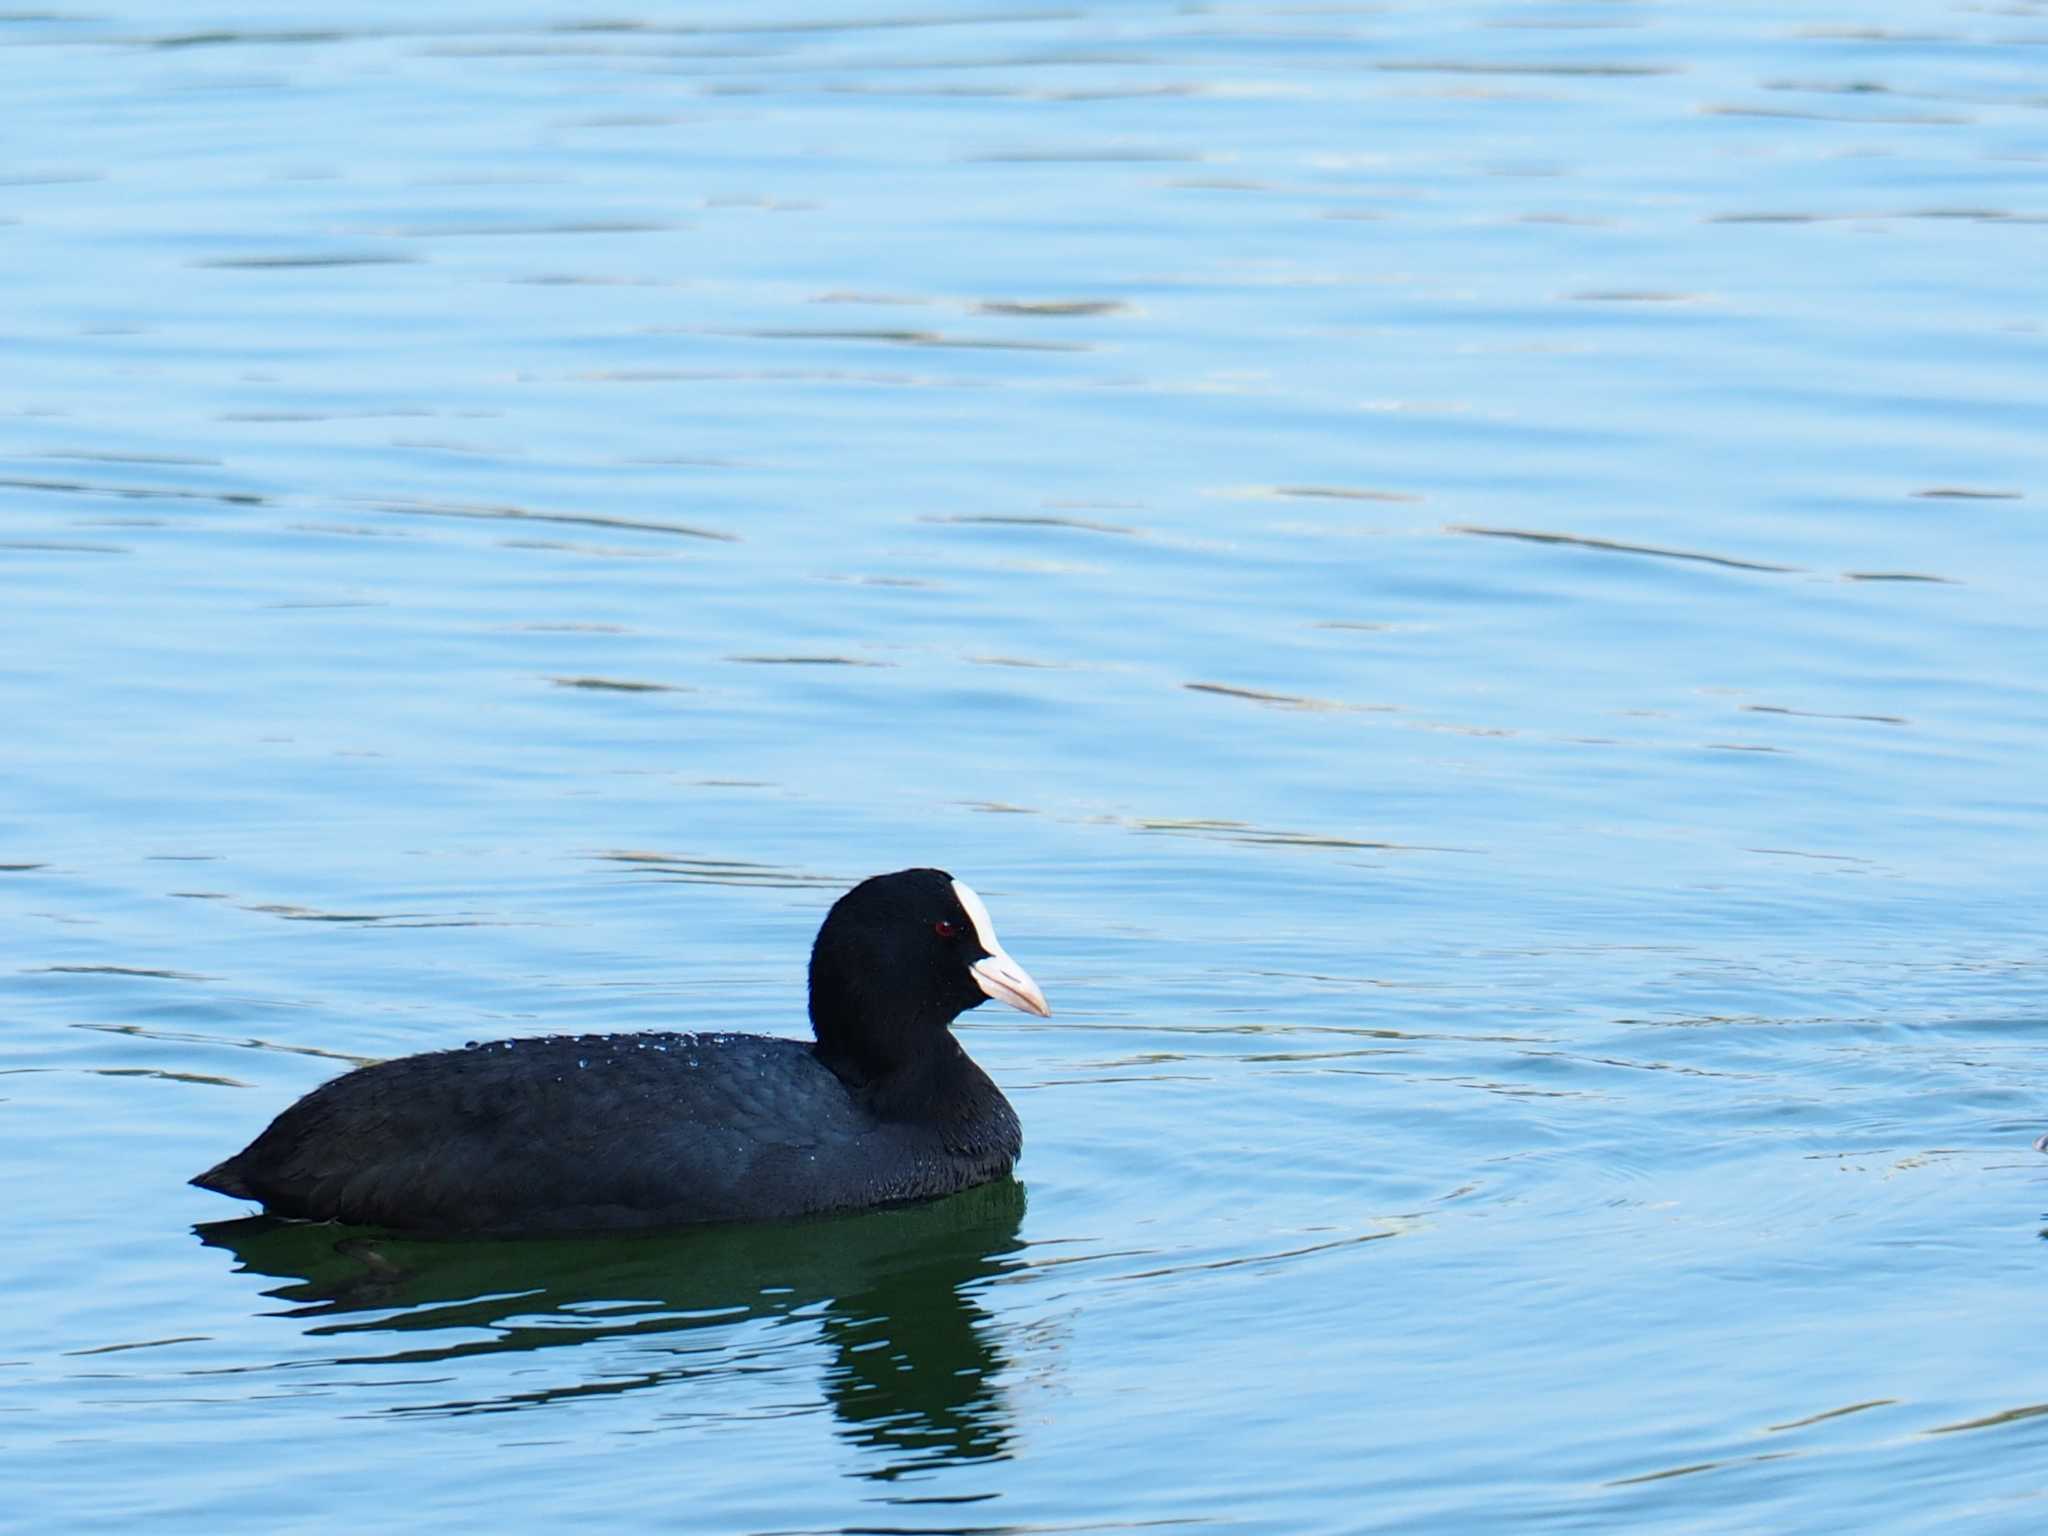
(898, 959)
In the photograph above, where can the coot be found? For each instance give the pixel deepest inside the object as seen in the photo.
(603, 1132)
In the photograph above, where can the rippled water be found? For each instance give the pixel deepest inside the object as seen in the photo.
(1467, 581)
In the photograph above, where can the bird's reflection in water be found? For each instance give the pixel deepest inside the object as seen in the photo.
(912, 1368)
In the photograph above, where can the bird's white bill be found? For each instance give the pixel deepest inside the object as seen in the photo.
(1007, 982)
(995, 972)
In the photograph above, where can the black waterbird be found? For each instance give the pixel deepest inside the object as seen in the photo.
(606, 1132)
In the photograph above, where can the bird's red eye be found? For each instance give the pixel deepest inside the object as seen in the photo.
(946, 928)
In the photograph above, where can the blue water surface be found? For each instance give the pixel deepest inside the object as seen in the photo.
(1466, 580)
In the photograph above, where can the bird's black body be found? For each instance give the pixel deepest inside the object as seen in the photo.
(595, 1132)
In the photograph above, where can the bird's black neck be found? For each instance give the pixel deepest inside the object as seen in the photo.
(938, 1084)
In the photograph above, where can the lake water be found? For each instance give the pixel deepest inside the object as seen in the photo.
(1466, 579)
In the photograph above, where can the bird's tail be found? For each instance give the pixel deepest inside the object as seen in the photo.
(226, 1178)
